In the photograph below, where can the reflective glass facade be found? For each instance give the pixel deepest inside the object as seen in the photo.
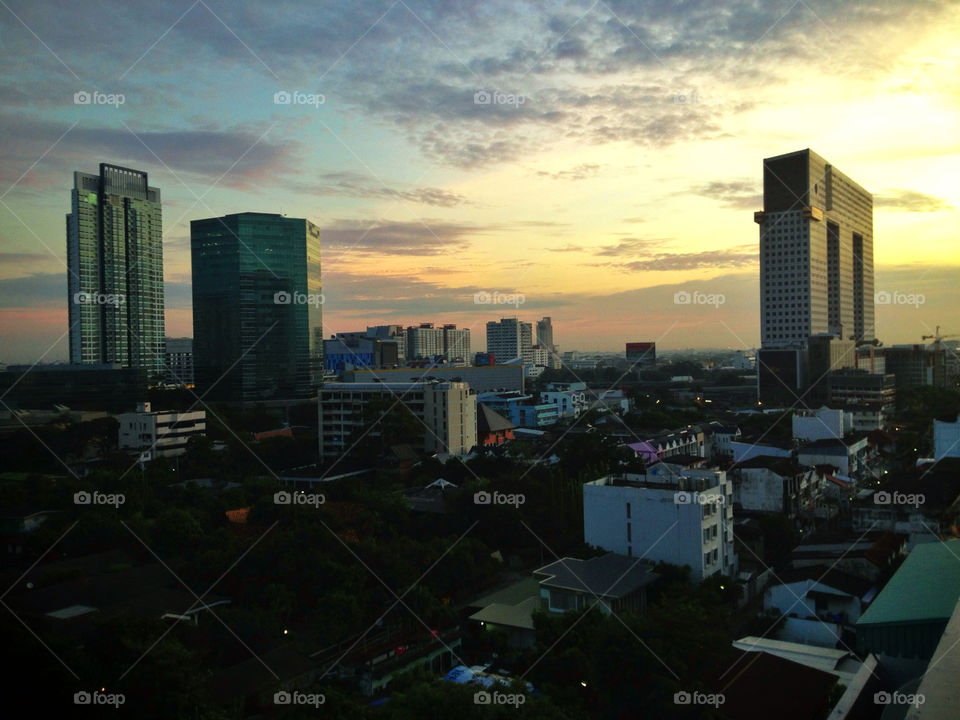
(257, 307)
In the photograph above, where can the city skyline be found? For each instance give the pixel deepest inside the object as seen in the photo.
(627, 174)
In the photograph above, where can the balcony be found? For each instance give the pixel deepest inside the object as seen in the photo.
(811, 212)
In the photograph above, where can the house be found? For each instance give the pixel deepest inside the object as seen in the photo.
(867, 555)
(819, 603)
(614, 582)
(510, 610)
(852, 456)
(772, 484)
(492, 428)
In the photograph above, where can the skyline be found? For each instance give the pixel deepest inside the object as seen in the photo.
(645, 129)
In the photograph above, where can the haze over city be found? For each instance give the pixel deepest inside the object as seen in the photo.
(595, 159)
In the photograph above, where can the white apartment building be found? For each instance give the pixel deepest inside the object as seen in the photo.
(448, 411)
(160, 433)
(821, 424)
(946, 439)
(675, 515)
(510, 338)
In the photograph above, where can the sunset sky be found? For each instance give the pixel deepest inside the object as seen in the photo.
(630, 171)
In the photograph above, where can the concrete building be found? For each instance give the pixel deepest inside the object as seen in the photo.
(851, 458)
(115, 270)
(346, 351)
(391, 333)
(673, 515)
(520, 409)
(484, 378)
(159, 433)
(178, 362)
(510, 338)
(818, 603)
(816, 252)
(569, 398)
(775, 485)
(545, 339)
(946, 439)
(821, 424)
(448, 411)
(816, 267)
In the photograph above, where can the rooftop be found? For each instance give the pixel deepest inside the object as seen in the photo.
(925, 587)
(610, 575)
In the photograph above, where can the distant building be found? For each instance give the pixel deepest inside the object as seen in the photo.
(115, 270)
(448, 411)
(347, 351)
(642, 353)
(391, 332)
(670, 514)
(821, 424)
(159, 433)
(179, 362)
(89, 386)
(257, 307)
(546, 340)
(509, 338)
(916, 364)
(946, 439)
(520, 409)
(816, 253)
(487, 378)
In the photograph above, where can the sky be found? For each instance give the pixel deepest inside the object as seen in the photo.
(597, 162)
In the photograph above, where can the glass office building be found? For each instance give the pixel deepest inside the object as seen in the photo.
(115, 270)
(257, 307)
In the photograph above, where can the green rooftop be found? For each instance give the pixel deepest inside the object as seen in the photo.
(922, 594)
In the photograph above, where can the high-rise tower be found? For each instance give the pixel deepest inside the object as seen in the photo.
(115, 264)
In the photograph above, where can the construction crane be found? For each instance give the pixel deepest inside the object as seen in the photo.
(937, 337)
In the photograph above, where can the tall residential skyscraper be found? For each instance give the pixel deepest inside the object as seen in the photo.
(115, 264)
(257, 306)
(509, 339)
(816, 253)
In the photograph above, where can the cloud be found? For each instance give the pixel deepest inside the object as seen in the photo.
(910, 201)
(350, 184)
(580, 172)
(738, 194)
(731, 258)
(380, 237)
